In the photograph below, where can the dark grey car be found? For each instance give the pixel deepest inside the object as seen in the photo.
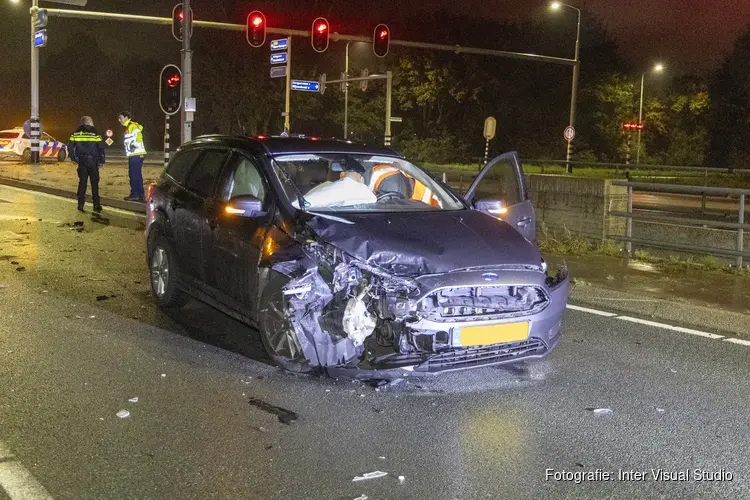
(350, 259)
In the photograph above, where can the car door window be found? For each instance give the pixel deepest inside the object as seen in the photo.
(203, 175)
(180, 165)
(501, 182)
(245, 178)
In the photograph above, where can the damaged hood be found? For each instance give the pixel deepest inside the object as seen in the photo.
(418, 243)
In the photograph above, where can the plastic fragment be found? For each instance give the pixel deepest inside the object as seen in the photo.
(673, 370)
(401, 479)
(600, 411)
(661, 410)
(92, 316)
(381, 458)
(369, 475)
(363, 497)
(163, 375)
(133, 400)
(123, 414)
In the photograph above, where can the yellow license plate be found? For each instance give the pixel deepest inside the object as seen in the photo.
(494, 334)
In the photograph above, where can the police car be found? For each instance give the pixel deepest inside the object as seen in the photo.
(14, 144)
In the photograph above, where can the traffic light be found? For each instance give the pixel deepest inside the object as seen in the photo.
(170, 89)
(256, 29)
(179, 22)
(381, 40)
(320, 31)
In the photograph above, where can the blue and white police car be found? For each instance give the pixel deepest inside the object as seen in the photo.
(14, 144)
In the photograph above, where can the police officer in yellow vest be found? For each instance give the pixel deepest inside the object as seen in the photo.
(135, 151)
(87, 151)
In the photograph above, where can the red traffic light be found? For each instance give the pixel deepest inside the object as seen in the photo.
(170, 89)
(381, 40)
(173, 81)
(255, 31)
(178, 22)
(320, 31)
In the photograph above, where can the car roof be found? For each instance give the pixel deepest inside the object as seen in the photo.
(276, 145)
(17, 129)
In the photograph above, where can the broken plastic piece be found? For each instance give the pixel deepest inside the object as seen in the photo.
(661, 410)
(369, 475)
(363, 497)
(299, 291)
(600, 411)
(133, 400)
(401, 479)
(123, 414)
(163, 375)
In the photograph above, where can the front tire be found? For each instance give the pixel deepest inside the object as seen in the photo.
(276, 332)
(163, 274)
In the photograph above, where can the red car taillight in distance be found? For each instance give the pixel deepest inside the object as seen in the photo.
(150, 207)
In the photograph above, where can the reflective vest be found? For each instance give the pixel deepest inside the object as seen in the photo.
(420, 191)
(134, 139)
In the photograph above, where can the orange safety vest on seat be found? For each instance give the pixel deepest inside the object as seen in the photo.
(420, 192)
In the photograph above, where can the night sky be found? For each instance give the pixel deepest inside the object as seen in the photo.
(691, 36)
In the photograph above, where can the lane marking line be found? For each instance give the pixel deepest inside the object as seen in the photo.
(70, 200)
(591, 311)
(17, 481)
(656, 324)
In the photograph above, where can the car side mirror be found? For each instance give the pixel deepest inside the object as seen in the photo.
(244, 205)
(495, 208)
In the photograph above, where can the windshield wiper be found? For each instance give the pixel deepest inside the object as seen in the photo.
(331, 217)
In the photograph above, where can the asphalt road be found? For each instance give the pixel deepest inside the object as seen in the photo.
(202, 426)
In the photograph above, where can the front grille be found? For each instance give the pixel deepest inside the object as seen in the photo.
(463, 358)
(482, 302)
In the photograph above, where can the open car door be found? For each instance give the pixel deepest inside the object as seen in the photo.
(500, 191)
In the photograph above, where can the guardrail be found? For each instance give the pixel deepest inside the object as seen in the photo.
(739, 226)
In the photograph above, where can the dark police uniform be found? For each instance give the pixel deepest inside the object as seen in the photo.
(87, 151)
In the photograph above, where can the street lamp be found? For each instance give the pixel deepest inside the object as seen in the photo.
(658, 68)
(576, 66)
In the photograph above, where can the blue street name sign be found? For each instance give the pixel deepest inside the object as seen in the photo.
(40, 39)
(278, 71)
(279, 44)
(305, 86)
(279, 58)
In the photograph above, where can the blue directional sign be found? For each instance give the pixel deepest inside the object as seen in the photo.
(305, 86)
(279, 58)
(279, 44)
(40, 39)
(278, 71)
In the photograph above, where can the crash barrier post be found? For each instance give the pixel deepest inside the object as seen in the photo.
(717, 206)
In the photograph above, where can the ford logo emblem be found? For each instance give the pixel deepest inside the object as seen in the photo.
(489, 276)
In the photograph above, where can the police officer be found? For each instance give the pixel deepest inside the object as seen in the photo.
(87, 151)
(135, 151)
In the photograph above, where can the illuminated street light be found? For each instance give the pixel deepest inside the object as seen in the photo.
(658, 68)
(576, 68)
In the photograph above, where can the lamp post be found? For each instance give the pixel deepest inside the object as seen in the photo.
(346, 93)
(657, 69)
(576, 68)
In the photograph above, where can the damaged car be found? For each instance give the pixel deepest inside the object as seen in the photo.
(351, 260)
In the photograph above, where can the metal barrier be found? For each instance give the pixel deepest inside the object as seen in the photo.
(739, 226)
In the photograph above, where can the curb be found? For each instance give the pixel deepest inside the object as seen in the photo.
(130, 206)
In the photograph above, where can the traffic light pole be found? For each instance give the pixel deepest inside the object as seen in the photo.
(288, 97)
(187, 75)
(388, 85)
(346, 94)
(34, 119)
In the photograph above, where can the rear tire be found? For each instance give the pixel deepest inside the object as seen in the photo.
(276, 333)
(62, 155)
(26, 155)
(163, 274)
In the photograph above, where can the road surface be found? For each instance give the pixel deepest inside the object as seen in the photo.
(214, 419)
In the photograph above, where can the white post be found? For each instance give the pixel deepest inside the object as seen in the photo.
(388, 84)
(166, 140)
(346, 94)
(640, 120)
(34, 121)
(187, 73)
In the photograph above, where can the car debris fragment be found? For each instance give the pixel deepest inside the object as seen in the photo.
(123, 414)
(369, 475)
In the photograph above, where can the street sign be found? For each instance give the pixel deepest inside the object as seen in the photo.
(305, 86)
(27, 128)
(40, 39)
(569, 133)
(278, 71)
(279, 58)
(363, 83)
(109, 132)
(490, 124)
(322, 81)
(109, 141)
(279, 44)
(396, 119)
(40, 20)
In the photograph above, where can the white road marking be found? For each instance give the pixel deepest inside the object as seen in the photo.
(17, 481)
(591, 311)
(738, 341)
(656, 324)
(71, 200)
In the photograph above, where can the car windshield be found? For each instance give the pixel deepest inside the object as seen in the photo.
(341, 182)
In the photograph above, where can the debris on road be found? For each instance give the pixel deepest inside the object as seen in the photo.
(673, 370)
(363, 497)
(369, 475)
(13, 262)
(401, 479)
(99, 298)
(3, 286)
(133, 400)
(93, 316)
(610, 278)
(600, 411)
(163, 375)
(20, 268)
(660, 410)
(123, 414)
(285, 416)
